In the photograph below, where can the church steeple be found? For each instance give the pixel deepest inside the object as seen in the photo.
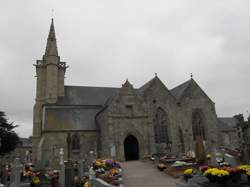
(51, 47)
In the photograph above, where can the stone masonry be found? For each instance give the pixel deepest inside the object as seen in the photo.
(101, 119)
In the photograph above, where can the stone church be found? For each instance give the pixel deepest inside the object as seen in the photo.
(124, 123)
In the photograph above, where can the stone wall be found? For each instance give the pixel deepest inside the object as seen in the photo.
(195, 98)
(51, 142)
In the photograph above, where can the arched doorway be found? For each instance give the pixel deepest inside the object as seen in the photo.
(131, 148)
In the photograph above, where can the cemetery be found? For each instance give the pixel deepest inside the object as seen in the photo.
(218, 168)
(86, 172)
(195, 168)
(164, 130)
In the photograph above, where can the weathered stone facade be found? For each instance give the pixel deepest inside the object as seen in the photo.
(123, 123)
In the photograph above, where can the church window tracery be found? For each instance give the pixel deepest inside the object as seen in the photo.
(75, 142)
(161, 126)
(198, 125)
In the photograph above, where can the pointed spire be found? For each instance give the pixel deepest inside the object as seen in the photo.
(51, 47)
(127, 84)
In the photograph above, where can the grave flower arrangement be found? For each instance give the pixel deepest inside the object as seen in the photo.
(108, 170)
(188, 173)
(204, 168)
(217, 175)
(38, 178)
(235, 173)
(245, 169)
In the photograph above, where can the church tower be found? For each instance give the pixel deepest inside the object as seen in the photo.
(50, 73)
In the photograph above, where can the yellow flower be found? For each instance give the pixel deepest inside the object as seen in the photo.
(114, 171)
(216, 172)
(86, 184)
(36, 180)
(188, 171)
(245, 168)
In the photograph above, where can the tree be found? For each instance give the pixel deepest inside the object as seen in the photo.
(8, 138)
(243, 126)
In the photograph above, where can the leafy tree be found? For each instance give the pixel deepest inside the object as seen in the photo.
(241, 123)
(8, 138)
(243, 126)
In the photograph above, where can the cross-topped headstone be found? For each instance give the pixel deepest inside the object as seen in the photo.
(68, 143)
(62, 169)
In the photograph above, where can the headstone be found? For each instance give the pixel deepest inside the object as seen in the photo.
(112, 151)
(200, 150)
(5, 174)
(230, 160)
(61, 156)
(62, 176)
(69, 177)
(62, 169)
(90, 159)
(91, 174)
(39, 165)
(213, 161)
(15, 173)
(81, 168)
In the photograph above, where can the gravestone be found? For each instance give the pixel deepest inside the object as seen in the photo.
(39, 165)
(62, 169)
(91, 158)
(62, 176)
(91, 175)
(200, 150)
(213, 161)
(81, 168)
(69, 177)
(230, 160)
(15, 173)
(5, 174)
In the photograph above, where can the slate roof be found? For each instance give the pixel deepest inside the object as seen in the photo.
(25, 143)
(83, 118)
(179, 90)
(229, 121)
(82, 104)
(227, 124)
(95, 98)
(85, 95)
(146, 86)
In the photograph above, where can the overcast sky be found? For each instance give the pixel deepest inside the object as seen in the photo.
(106, 41)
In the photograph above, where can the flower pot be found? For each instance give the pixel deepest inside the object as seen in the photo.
(235, 177)
(248, 177)
(187, 177)
(211, 178)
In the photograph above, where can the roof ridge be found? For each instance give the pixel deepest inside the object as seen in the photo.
(91, 86)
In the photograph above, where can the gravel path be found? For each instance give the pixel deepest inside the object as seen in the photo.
(143, 174)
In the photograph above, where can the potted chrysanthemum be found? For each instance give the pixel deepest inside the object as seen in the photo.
(188, 173)
(217, 175)
(245, 170)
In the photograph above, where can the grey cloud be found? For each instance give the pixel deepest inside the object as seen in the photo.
(105, 42)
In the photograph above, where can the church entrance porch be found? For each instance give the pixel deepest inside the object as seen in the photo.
(131, 148)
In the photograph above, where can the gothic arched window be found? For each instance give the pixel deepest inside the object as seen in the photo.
(161, 126)
(198, 125)
(75, 142)
(182, 145)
